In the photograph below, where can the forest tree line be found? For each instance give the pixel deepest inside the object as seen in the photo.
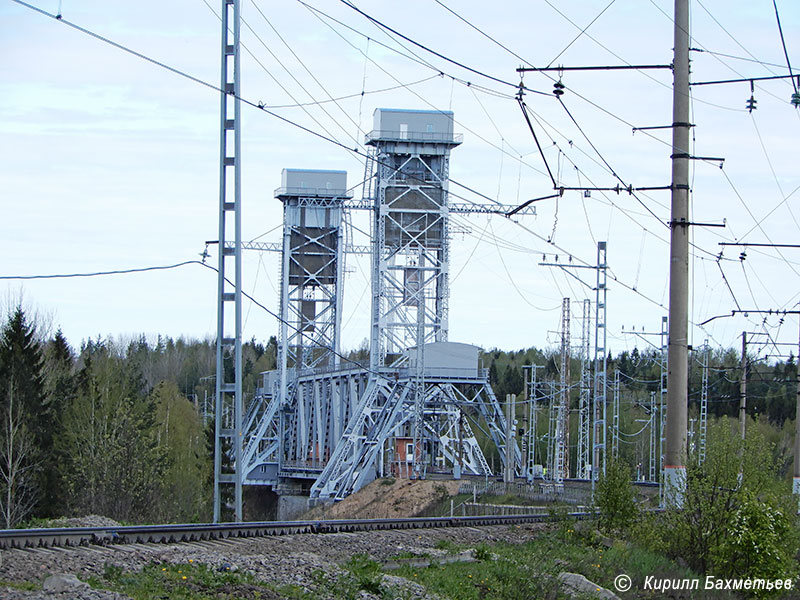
(124, 428)
(770, 391)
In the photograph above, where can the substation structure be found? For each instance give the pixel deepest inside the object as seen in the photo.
(322, 426)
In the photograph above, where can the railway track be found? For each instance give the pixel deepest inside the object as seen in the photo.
(154, 534)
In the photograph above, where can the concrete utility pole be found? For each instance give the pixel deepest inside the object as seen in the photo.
(677, 377)
(743, 387)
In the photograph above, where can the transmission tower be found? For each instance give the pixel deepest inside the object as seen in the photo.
(615, 418)
(531, 438)
(653, 475)
(662, 404)
(599, 408)
(228, 406)
(583, 468)
(552, 431)
(600, 358)
(701, 447)
(561, 466)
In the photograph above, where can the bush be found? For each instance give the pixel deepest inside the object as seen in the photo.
(756, 543)
(738, 515)
(615, 498)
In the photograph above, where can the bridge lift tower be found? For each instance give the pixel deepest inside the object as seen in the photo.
(414, 415)
(301, 409)
(324, 426)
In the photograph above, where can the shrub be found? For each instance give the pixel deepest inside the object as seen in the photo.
(615, 498)
(738, 515)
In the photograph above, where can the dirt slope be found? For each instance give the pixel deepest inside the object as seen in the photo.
(387, 498)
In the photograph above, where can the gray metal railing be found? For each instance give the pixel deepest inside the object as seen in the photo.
(415, 136)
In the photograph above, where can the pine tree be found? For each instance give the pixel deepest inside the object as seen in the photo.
(27, 420)
(60, 384)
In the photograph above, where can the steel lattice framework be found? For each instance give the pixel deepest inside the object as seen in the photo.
(599, 410)
(701, 449)
(583, 468)
(228, 403)
(410, 238)
(561, 456)
(324, 426)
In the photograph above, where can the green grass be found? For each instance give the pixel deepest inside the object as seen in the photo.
(25, 586)
(182, 582)
(519, 572)
(502, 571)
(509, 499)
(448, 546)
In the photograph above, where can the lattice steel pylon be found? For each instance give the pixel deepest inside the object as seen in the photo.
(561, 463)
(531, 437)
(552, 429)
(228, 405)
(599, 409)
(701, 447)
(583, 466)
(652, 464)
(662, 403)
(615, 418)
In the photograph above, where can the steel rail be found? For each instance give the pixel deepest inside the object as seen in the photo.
(151, 534)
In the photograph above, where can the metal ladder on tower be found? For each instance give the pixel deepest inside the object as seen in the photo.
(369, 174)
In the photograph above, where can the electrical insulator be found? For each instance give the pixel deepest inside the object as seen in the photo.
(751, 104)
(558, 88)
(796, 99)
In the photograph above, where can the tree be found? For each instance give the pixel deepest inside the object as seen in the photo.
(179, 432)
(60, 388)
(18, 464)
(734, 506)
(493, 377)
(113, 462)
(27, 420)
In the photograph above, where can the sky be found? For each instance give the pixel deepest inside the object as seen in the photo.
(109, 162)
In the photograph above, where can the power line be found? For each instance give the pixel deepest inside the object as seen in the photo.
(356, 95)
(613, 172)
(582, 32)
(259, 106)
(100, 273)
(316, 12)
(382, 25)
(752, 216)
(479, 30)
(783, 43)
(734, 57)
